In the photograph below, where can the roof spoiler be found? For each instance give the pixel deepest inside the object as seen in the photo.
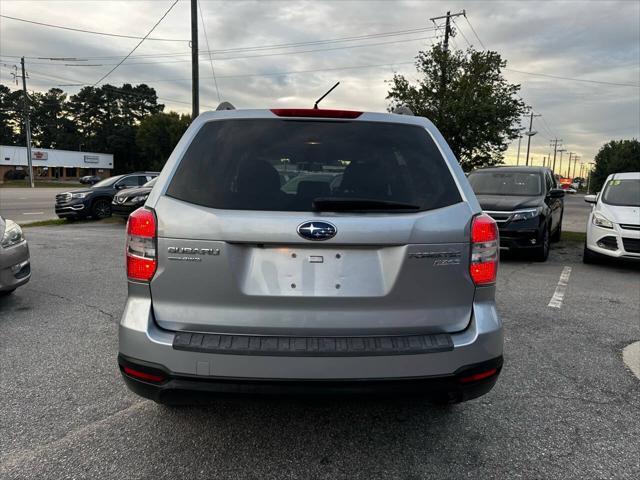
(402, 110)
(225, 106)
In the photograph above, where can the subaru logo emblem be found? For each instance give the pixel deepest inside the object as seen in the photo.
(317, 230)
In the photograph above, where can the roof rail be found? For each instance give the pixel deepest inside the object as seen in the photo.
(402, 110)
(225, 106)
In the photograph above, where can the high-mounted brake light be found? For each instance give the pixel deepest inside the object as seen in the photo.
(141, 245)
(315, 113)
(485, 244)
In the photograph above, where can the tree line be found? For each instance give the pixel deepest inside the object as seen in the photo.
(126, 121)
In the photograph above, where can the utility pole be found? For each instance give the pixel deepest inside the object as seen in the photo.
(561, 150)
(554, 143)
(27, 124)
(530, 134)
(569, 167)
(575, 160)
(195, 78)
(448, 31)
(518, 157)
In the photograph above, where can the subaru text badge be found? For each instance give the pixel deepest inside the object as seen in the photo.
(317, 230)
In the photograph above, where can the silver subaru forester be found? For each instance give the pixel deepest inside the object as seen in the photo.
(311, 251)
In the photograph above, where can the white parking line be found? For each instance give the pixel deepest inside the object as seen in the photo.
(558, 295)
(33, 213)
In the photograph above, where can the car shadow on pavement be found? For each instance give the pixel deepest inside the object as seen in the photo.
(332, 434)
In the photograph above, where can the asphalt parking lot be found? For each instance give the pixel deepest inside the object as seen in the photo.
(565, 406)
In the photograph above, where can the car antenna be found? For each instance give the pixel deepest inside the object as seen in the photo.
(315, 106)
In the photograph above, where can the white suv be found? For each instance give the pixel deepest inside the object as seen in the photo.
(613, 228)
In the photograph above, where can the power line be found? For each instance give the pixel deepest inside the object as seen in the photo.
(461, 32)
(573, 79)
(139, 43)
(258, 55)
(90, 31)
(250, 48)
(474, 32)
(213, 72)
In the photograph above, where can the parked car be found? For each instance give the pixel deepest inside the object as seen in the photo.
(236, 285)
(613, 227)
(90, 179)
(126, 201)
(527, 204)
(15, 266)
(95, 201)
(15, 174)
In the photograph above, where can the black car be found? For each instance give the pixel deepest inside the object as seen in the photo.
(90, 179)
(525, 202)
(95, 201)
(126, 201)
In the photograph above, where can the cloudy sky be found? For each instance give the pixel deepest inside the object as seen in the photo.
(594, 41)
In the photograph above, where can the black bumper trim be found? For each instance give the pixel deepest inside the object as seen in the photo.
(312, 346)
(188, 388)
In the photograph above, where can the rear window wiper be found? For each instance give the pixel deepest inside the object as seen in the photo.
(341, 204)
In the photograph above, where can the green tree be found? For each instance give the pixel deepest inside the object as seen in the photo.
(474, 107)
(157, 136)
(107, 118)
(11, 126)
(617, 156)
(51, 126)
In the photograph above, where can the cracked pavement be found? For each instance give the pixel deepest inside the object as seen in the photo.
(565, 405)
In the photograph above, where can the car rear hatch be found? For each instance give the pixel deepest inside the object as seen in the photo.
(374, 240)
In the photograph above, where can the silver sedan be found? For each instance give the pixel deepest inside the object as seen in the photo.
(15, 267)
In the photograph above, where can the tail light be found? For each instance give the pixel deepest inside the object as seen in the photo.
(485, 244)
(141, 245)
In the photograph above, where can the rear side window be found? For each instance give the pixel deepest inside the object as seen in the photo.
(285, 165)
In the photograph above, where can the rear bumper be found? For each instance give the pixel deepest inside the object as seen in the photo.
(15, 267)
(176, 388)
(143, 343)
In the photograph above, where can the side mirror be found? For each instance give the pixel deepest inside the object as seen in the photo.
(591, 198)
(556, 193)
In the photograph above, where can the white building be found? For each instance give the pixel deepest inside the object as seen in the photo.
(53, 164)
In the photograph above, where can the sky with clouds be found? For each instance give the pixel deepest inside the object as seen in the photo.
(589, 40)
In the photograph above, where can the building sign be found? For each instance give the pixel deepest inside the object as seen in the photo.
(36, 155)
(91, 159)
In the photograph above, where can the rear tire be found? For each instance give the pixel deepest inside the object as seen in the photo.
(100, 209)
(541, 253)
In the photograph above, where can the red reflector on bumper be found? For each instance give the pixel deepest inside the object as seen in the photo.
(148, 377)
(479, 376)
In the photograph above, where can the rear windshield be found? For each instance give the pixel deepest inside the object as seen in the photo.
(286, 165)
(622, 192)
(506, 183)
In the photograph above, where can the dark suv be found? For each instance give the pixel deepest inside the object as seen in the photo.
(95, 201)
(527, 204)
